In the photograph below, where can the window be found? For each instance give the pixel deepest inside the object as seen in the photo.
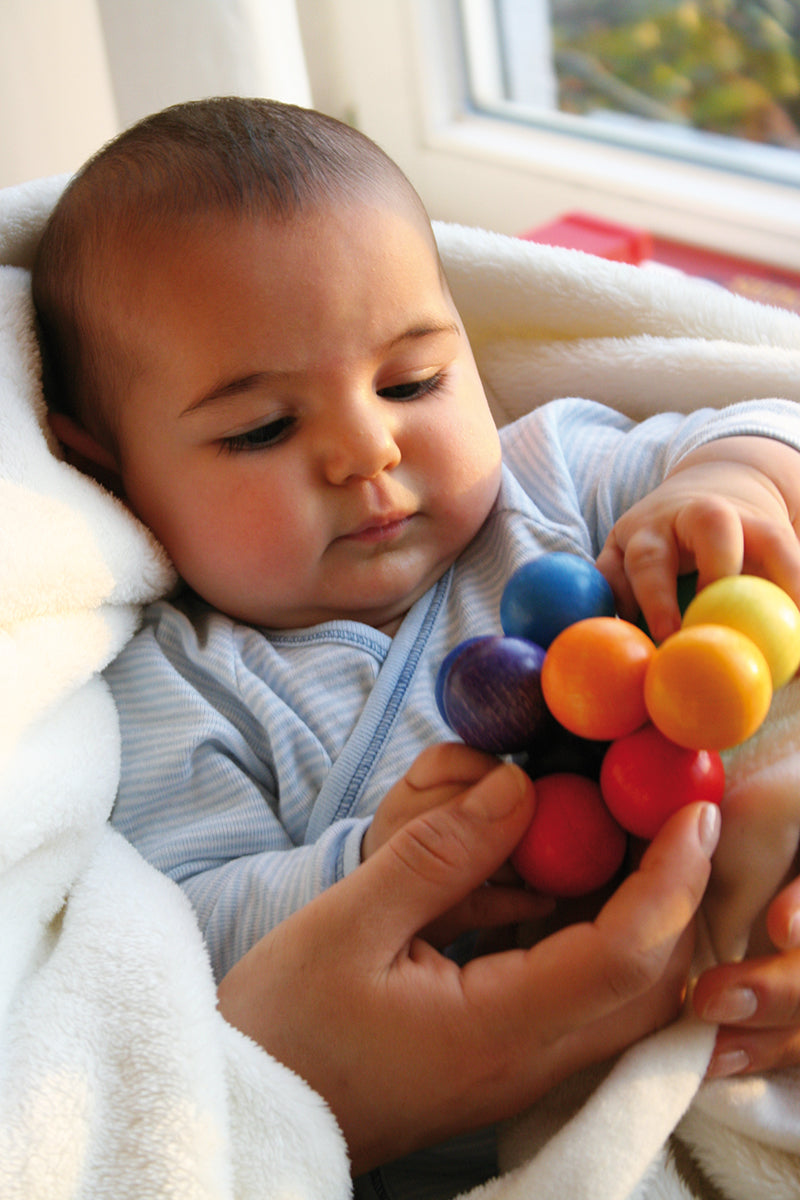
(709, 81)
(465, 94)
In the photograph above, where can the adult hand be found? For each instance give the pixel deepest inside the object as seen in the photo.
(438, 774)
(757, 1002)
(410, 1048)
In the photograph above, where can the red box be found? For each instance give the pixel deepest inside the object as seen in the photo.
(579, 231)
(623, 243)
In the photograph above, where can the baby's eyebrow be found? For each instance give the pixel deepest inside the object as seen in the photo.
(240, 385)
(230, 388)
(421, 331)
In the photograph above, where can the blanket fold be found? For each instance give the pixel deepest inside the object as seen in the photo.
(119, 1079)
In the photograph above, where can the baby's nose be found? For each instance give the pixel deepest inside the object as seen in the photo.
(361, 445)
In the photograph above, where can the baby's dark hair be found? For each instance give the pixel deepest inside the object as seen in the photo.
(246, 158)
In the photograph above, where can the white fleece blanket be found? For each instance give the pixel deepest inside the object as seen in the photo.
(119, 1080)
(118, 1077)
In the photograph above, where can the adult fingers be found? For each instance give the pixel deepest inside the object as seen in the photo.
(460, 1047)
(758, 993)
(437, 775)
(448, 763)
(748, 1051)
(601, 966)
(437, 859)
(489, 907)
(783, 917)
(757, 1005)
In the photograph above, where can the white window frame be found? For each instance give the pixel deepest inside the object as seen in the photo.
(394, 68)
(513, 77)
(527, 71)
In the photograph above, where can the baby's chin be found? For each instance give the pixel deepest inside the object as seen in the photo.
(292, 621)
(379, 597)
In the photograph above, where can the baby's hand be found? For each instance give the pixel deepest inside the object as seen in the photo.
(730, 506)
(439, 774)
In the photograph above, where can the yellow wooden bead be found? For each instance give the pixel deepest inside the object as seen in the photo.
(761, 610)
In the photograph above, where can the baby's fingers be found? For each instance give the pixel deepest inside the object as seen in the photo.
(773, 552)
(642, 558)
(706, 537)
(710, 538)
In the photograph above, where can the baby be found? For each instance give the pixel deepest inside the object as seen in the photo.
(250, 337)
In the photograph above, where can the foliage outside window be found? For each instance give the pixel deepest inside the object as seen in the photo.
(729, 67)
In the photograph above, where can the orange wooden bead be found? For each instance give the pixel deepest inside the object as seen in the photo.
(708, 687)
(593, 677)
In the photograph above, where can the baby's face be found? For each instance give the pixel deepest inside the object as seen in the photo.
(307, 434)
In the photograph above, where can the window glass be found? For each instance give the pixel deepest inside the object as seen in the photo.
(717, 81)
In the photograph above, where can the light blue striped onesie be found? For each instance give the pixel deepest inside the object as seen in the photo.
(253, 759)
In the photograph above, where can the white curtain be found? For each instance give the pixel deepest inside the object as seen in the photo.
(74, 72)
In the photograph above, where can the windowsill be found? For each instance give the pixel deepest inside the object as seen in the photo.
(757, 281)
(671, 198)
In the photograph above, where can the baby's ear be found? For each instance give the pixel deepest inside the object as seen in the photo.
(82, 450)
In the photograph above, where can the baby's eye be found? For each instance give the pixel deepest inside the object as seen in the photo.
(261, 437)
(413, 390)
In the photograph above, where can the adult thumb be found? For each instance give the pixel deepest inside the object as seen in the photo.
(442, 855)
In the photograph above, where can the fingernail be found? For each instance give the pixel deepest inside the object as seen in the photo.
(494, 798)
(730, 1062)
(708, 828)
(735, 1004)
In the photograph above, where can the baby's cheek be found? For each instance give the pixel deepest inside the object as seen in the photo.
(472, 493)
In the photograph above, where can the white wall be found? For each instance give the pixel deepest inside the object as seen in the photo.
(55, 92)
(75, 72)
(162, 52)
